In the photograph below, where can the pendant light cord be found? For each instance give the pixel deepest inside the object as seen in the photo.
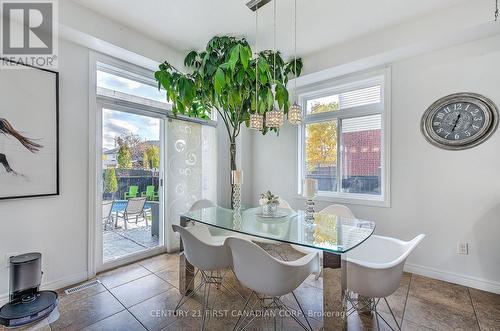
(496, 11)
(295, 49)
(256, 60)
(274, 44)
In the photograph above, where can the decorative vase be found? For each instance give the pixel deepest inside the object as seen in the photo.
(269, 208)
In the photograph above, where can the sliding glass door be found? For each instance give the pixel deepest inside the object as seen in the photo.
(131, 176)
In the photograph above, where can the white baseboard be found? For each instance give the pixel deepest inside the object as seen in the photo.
(474, 282)
(54, 285)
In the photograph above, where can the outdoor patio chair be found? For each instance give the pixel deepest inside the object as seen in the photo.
(132, 192)
(150, 193)
(133, 211)
(107, 216)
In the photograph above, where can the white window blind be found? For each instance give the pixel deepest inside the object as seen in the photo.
(360, 97)
(365, 123)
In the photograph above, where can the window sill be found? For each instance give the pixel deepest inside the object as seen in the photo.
(351, 199)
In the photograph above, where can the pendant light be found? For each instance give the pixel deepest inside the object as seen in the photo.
(256, 119)
(295, 111)
(274, 118)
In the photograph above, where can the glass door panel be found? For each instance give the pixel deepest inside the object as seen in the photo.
(132, 184)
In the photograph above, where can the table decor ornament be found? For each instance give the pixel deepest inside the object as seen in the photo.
(236, 181)
(269, 203)
(310, 188)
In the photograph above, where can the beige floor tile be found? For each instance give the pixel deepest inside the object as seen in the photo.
(170, 275)
(441, 293)
(158, 312)
(359, 322)
(310, 298)
(140, 289)
(439, 316)
(410, 326)
(487, 307)
(439, 305)
(118, 322)
(122, 275)
(186, 324)
(160, 262)
(88, 292)
(79, 314)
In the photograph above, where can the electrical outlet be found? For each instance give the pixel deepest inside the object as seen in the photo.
(463, 248)
(7, 258)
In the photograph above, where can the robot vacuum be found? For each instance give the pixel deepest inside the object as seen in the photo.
(27, 303)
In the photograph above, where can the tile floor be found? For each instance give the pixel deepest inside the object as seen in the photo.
(141, 296)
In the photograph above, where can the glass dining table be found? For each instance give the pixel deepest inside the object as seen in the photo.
(331, 234)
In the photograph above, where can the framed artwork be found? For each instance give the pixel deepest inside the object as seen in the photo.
(29, 132)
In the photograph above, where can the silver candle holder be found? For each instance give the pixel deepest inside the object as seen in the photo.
(310, 188)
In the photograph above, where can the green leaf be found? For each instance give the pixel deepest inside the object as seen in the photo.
(245, 56)
(219, 81)
(281, 95)
(240, 76)
(190, 58)
(233, 57)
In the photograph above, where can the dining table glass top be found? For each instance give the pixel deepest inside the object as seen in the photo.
(328, 232)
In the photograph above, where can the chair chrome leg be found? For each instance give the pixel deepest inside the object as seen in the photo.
(394, 317)
(376, 314)
(243, 310)
(302, 310)
(295, 318)
(205, 304)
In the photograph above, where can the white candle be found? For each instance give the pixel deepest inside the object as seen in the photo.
(310, 188)
(236, 177)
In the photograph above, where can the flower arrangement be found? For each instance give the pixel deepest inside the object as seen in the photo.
(267, 198)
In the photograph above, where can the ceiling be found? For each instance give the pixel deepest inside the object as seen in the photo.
(189, 24)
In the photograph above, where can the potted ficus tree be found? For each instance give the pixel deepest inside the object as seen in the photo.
(222, 78)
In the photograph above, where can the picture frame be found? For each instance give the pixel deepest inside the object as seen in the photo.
(29, 131)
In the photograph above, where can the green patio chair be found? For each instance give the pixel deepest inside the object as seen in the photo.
(132, 192)
(150, 193)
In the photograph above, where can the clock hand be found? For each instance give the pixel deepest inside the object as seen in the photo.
(456, 123)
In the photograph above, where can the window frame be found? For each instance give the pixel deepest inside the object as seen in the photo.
(336, 86)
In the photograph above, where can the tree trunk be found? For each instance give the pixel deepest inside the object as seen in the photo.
(232, 153)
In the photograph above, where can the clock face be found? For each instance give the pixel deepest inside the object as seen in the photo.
(460, 121)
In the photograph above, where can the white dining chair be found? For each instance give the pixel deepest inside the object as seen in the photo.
(269, 277)
(374, 270)
(208, 257)
(339, 210)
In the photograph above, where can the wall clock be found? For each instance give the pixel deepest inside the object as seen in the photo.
(460, 121)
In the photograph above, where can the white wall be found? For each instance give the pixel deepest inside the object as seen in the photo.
(450, 196)
(57, 226)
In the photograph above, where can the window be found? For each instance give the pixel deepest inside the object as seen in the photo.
(120, 84)
(342, 140)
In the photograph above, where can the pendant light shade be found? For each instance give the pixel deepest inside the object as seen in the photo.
(256, 121)
(274, 118)
(295, 114)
